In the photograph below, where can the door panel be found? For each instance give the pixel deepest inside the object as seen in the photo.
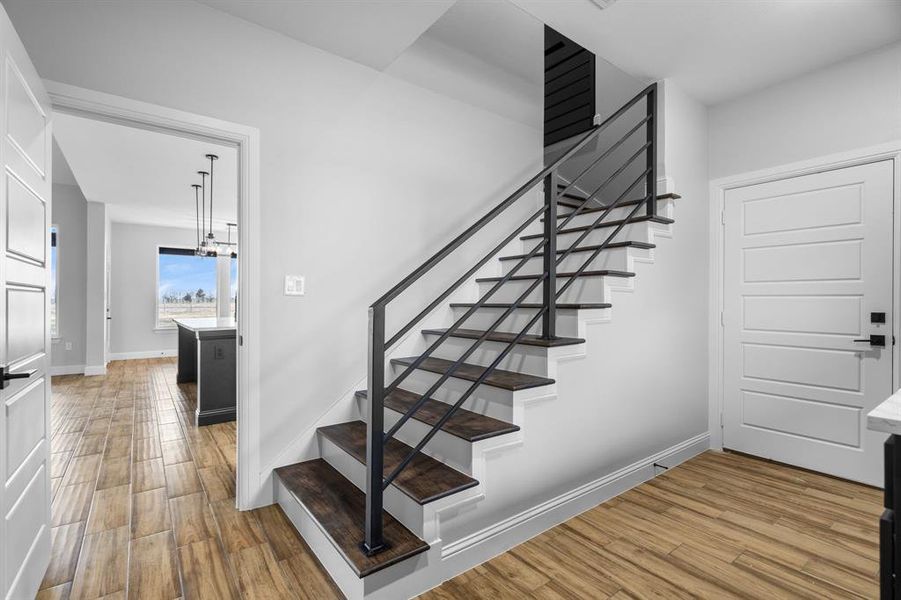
(24, 418)
(806, 261)
(25, 167)
(26, 215)
(24, 323)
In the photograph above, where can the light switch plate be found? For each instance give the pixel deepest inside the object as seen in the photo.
(294, 285)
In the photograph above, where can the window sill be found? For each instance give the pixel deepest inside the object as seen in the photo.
(170, 329)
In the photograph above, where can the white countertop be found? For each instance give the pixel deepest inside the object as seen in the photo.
(207, 324)
(887, 416)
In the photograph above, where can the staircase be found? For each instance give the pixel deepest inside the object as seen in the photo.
(377, 503)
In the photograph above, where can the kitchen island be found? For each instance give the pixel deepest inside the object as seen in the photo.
(207, 354)
(887, 418)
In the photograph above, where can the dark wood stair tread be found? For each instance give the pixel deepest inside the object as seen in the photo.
(613, 245)
(508, 380)
(464, 424)
(506, 337)
(340, 509)
(603, 225)
(560, 305)
(424, 479)
(593, 209)
(602, 273)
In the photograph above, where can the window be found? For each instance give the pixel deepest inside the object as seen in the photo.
(186, 286)
(54, 283)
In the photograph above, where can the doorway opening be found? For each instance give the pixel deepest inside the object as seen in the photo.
(569, 87)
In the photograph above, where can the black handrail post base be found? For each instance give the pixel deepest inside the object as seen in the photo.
(549, 299)
(365, 549)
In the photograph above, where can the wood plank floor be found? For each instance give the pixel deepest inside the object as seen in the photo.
(144, 508)
(718, 526)
(143, 501)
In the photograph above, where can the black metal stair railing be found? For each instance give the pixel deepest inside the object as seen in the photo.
(376, 481)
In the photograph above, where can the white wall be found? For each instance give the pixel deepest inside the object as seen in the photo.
(70, 217)
(647, 367)
(97, 227)
(363, 175)
(133, 281)
(849, 105)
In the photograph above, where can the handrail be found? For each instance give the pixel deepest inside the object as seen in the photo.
(376, 481)
(425, 267)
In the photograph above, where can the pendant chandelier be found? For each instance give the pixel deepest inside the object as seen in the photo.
(207, 244)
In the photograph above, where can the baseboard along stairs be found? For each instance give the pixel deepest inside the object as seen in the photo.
(374, 505)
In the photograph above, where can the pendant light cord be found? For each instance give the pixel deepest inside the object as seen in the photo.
(197, 212)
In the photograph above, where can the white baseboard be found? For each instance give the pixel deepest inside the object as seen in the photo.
(67, 370)
(446, 561)
(142, 354)
(565, 506)
(90, 370)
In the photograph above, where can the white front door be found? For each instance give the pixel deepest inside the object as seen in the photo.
(24, 306)
(808, 260)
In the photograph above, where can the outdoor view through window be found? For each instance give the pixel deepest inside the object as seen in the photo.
(187, 286)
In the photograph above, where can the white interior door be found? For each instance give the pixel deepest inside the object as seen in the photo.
(807, 260)
(24, 306)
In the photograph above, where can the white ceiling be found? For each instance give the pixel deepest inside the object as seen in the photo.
(370, 32)
(719, 50)
(145, 176)
(715, 50)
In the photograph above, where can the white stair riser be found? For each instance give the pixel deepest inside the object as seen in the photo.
(521, 358)
(449, 449)
(486, 400)
(635, 232)
(399, 505)
(586, 289)
(613, 259)
(483, 318)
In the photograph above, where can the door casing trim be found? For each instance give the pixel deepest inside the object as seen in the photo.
(716, 205)
(250, 490)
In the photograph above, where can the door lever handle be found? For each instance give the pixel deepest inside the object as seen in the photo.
(6, 376)
(874, 340)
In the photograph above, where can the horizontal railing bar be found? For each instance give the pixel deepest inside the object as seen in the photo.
(603, 185)
(606, 153)
(600, 219)
(453, 368)
(597, 251)
(477, 226)
(474, 228)
(403, 330)
(465, 396)
(420, 359)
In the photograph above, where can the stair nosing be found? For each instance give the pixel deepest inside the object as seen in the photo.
(601, 273)
(421, 501)
(284, 475)
(604, 225)
(539, 381)
(472, 334)
(533, 306)
(614, 245)
(668, 196)
(511, 428)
